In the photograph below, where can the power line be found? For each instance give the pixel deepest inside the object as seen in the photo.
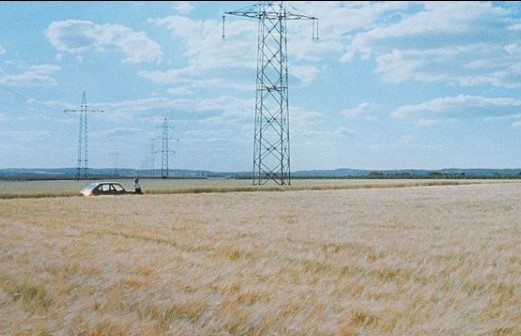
(28, 100)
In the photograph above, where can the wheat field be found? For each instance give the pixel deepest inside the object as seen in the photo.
(64, 188)
(415, 260)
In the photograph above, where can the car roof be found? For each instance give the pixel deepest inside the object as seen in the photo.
(105, 182)
(95, 184)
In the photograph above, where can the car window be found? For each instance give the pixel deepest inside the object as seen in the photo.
(105, 187)
(118, 187)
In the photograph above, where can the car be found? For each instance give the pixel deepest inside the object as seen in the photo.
(104, 188)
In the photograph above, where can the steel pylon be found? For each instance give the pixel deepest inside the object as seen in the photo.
(271, 145)
(165, 151)
(82, 165)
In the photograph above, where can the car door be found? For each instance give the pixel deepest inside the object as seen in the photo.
(118, 189)
(104, 189)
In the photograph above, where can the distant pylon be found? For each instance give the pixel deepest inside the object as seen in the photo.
(165, 151)
(115, 156)
(271, 154)
(82, 166)
(152, 158)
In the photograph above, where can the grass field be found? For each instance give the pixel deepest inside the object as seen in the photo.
(417, 260)
(62, 188)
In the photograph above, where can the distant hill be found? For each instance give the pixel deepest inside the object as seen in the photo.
(411, 173)
(70, 173)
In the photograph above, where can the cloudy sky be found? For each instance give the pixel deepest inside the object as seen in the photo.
(389, 85)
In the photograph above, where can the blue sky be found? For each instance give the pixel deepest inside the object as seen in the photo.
(389, 85)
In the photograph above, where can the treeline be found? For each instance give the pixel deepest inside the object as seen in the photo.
(427, 175)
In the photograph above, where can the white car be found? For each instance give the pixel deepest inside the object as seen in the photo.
(104, 188)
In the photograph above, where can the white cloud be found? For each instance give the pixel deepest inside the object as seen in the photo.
(445, 104)
(433, 24)
(78, 36)
(51, 104)
(224, 108)
(35, 75)
(306, 73)
(362, 109)
(119, 132)
(192, 78)
(513, 48)
(203, 46)
(427, 122)
(303, 119)
(331, 137)
(168, 76)
(408, 140)
(516, 124)
(515, 118)
(209, 58)
(181, 91)
(183, 7)
(27, 136)
(508, 117)
(454, 65)
(2, 50)
(338, 21)
(344, 132)
(460, 43)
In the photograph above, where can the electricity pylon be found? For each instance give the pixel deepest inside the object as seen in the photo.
(271, 154)
(83, 148)
(152, 158)
(115, 156)
(165, 151)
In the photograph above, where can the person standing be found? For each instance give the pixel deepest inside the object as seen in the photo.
(137, 187)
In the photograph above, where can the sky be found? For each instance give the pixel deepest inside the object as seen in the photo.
(388, 85)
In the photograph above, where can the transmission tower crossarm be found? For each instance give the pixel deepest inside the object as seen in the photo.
(270, 10)
(252, 14)
(83, 110)
(273, 15)
(89, 110)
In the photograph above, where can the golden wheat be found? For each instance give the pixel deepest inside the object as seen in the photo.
(62, 188)
(437, 260)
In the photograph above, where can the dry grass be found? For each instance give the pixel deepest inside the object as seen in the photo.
(58, 188)
(438, 260)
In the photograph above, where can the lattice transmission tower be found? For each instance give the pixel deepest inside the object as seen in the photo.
(271, 147)
(152, 158)
(115, 155)
(82, 166)
(165, 151)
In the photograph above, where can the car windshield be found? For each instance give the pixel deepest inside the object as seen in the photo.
(90, 186)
